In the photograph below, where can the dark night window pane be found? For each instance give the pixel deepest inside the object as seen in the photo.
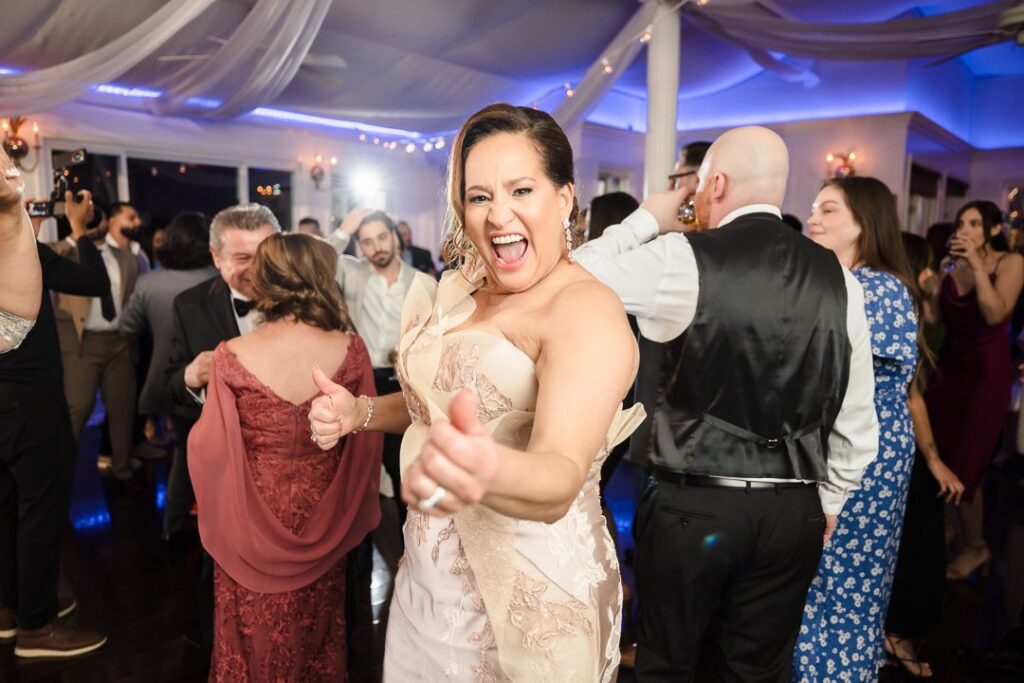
(273, 189)
(160, 190)
(98, 175)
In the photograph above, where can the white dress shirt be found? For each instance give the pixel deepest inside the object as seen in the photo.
(251, 320)
(658, 282)
(94, 321)
(379, 317)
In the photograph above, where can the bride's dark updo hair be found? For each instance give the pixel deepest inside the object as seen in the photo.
(547, 137)
(293, 277)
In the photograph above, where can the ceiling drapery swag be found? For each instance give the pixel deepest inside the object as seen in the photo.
(251, 68)
(56, 85)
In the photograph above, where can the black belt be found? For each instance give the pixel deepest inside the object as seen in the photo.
(704, 481)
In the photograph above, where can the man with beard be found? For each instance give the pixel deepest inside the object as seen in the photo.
(765, 420)
(374, 288)
(124, 224)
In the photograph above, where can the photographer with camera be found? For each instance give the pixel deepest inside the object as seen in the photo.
(96, 355)
(38, 454)
(20, 280)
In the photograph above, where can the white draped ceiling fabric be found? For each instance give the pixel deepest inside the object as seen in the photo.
(252, 67)
(436, 77)
(56, 85)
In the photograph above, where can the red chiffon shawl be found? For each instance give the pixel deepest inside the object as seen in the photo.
(238, 529)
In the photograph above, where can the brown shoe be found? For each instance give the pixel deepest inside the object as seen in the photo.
(8, 623)
(9, 618)
(57, 639)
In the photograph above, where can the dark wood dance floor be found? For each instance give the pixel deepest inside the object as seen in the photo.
(142, 593)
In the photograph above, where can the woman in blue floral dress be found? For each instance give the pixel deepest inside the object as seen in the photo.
(842, 633)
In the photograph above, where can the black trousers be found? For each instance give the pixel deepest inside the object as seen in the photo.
(180, 495)
(734, 559)
(386, 382)
(37, 464)
(920, 580)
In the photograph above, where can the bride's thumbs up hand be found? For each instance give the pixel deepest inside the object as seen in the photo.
(457, 464)
(334, 414)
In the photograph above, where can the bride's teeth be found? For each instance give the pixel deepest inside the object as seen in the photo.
(506, 239)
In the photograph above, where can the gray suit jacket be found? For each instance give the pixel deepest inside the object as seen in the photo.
(151, 306)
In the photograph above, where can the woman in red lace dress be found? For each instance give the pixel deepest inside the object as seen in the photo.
(276, 513)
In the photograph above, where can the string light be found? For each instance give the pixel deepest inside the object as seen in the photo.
(334, 161)
(428, 146)
(569, 92)
(646, 36)
(439, 144)
(606, 65)
(362, 137)
(410, 148)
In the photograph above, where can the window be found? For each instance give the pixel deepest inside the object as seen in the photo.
(160, 190)
(273, 189)
(97, 173)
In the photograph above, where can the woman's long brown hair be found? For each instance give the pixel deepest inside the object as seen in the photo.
(880, 245)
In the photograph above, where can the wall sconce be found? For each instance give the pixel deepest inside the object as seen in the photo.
(16, 146)
(317, 173)
(841, 165)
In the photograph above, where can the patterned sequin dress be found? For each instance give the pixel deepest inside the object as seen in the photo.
(479, 596)
(842, 634)
(13, 330)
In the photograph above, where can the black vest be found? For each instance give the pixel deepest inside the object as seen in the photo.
(753, 386)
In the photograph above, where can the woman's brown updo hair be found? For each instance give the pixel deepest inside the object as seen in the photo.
(293, 277)
(549, 140)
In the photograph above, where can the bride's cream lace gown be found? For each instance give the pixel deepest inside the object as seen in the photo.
(481, 596)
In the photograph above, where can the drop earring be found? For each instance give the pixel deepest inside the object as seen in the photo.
(567, 224)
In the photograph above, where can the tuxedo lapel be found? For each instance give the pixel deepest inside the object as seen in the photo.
(221, 312)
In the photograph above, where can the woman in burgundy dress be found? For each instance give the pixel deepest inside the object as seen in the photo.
(276, 513)
(968, 395)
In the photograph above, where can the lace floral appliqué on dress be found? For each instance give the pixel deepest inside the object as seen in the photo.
(482, 597)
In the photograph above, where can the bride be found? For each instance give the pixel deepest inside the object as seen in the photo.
(513, 369)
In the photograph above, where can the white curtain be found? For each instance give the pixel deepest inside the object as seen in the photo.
(252, 67)
(56, 85)
(754, 27)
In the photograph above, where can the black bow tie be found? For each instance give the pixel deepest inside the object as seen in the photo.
(242, 307)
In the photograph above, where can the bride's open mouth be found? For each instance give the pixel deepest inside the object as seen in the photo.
(509, 250)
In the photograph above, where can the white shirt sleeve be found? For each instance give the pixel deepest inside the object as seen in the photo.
(339, 240)
(853, 443)
(655, 277)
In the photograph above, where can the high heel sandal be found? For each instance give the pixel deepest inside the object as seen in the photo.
(912, 666)
(971, 559)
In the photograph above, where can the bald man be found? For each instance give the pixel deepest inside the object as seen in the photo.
(762, 410)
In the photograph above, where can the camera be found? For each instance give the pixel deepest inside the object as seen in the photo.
(54, 206)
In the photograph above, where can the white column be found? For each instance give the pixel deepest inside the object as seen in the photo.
(662, 98)
(243, 183)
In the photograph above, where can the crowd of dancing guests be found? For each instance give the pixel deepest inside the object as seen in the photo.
(809, 404)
